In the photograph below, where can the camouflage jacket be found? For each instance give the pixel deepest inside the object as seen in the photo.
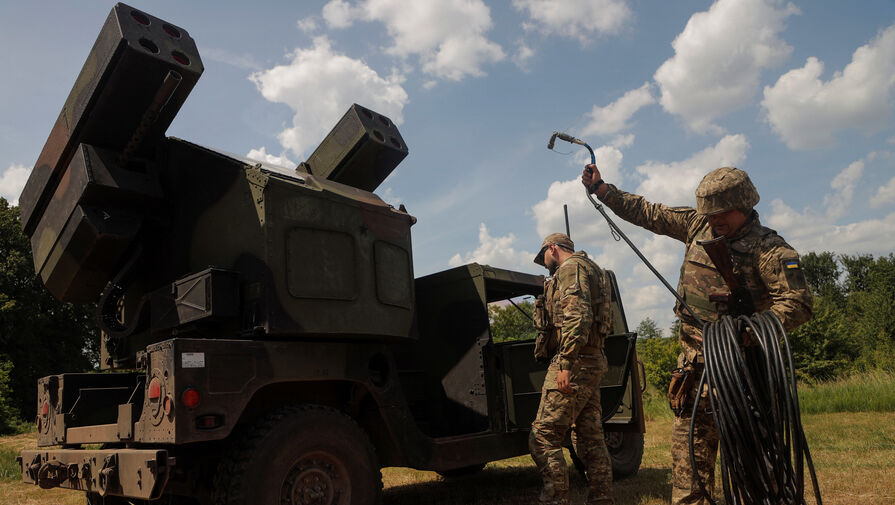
(578, 311)
(762, 261)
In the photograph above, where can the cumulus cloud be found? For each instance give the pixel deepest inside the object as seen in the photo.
(675, 183)
(719, 57)
(577, 19)
(12, 181)
(495, 251)
(447, 36)
(319, 84)
(816, 230)
(884, 196)
(614, 117)
(262, 155)
(523, 55)
(807, 112)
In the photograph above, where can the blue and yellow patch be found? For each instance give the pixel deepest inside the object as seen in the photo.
(789, 265)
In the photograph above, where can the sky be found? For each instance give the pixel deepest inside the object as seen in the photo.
(799, 94)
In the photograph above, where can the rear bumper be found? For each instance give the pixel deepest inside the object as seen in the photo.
(133, 473)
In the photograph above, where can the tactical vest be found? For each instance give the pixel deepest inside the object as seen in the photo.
(601, 307)
(699, 277)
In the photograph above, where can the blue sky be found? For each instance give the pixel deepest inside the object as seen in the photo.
(799, 94)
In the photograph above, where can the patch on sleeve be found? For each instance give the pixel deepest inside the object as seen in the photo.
(793, 274)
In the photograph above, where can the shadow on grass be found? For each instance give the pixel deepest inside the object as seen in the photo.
(521, 485)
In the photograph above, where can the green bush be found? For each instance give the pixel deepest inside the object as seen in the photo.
(659, 356)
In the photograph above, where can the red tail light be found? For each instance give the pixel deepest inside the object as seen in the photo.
(191, 398)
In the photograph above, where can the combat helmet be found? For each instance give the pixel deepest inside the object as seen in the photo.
(724, 189)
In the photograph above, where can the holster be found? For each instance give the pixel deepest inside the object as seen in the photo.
(682, 380)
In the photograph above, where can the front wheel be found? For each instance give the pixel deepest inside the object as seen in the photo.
(306, 455)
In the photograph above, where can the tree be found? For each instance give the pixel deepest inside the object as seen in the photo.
(659, 356)
(38, 334)
(648, 329)
(822, 273)
(511, 323)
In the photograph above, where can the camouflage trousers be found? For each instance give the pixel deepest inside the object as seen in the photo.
(685, 489)
(579, 411)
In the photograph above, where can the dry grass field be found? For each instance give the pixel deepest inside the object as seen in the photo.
(854, 454)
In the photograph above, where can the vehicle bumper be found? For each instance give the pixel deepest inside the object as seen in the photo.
(133, 473)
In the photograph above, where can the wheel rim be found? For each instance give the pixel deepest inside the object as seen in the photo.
(317, 479)
(614, 440)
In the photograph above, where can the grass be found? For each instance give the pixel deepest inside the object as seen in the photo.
(868, 392)
(854, 453)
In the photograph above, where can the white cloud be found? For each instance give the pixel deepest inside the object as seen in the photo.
(884, 196)
(320, 84)
(577, 19)
(807, 112)
(262, 155)
(12, 181)
(675, 183)
(448, 36)
(340, 14)
(307, 25)
(843, 185)
(495, 251)
(523, 55)
(719, 57)
(622, 141)
(815, 230)
(614, 117)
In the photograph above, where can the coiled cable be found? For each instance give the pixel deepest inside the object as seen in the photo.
(755, 407)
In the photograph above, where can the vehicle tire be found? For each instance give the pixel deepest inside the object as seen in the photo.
(462, 471)
(306, 454)
(625, 451)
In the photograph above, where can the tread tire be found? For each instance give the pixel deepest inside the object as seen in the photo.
(299, 451)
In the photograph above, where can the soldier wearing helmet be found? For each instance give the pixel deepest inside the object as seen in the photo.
(572, 318)
(763, 262)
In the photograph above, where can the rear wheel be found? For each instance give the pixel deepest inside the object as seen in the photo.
(307, 455)
(625, 451)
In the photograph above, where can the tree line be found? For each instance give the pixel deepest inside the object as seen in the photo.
(39, 335)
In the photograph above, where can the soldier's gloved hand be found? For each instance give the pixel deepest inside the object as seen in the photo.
(563, 382)
(590, 175)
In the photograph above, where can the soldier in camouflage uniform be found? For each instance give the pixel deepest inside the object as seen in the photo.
(762, 261)
(573, 319)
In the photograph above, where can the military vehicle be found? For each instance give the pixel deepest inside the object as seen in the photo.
(264, 339)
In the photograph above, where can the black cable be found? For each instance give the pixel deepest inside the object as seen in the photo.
(755, 407)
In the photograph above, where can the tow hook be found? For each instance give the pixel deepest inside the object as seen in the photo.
(108, 475)
(51, 474)
(34, 467)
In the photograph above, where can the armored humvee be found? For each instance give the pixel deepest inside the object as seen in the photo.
(264, 339)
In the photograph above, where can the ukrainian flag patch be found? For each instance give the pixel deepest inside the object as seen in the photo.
(790, 265)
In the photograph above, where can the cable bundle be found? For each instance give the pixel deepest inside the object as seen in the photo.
(756, 410)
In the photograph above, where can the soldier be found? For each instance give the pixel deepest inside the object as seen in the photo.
(573, 318)
(762, 261)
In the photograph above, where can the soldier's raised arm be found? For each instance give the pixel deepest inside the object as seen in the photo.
(658, 218)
